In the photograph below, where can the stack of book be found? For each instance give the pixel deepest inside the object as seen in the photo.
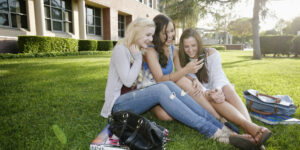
(107, 141)
(275, 119)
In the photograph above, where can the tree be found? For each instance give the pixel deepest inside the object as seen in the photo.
(241, 28)
(175, 8)
(188, 12)
(293, 27)
(258, 9)
(280, 25)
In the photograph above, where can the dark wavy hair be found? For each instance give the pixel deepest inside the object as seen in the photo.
(202, 74)
(161, 22)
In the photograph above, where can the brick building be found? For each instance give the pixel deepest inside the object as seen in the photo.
(80, 19)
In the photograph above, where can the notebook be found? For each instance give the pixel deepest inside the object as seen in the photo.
(275, 119)
(106, 141)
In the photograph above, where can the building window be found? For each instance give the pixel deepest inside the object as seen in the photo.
(121, 25)
(13, 13)
(93, 20)
(58, 14)
(150, 3)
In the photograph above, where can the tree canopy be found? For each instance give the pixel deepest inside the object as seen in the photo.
(187, 13)
(293, 27)
(241, 28)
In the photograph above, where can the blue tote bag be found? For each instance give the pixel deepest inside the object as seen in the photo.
(268, 105)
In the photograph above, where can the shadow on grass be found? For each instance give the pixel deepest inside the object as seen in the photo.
(234, 63)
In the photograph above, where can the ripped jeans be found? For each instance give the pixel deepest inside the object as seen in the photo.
(174, 101)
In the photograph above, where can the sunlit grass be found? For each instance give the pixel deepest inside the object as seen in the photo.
(54, 103)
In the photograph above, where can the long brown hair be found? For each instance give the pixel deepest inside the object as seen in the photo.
(161, 22)
(202, 74)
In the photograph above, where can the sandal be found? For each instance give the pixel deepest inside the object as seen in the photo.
(265, 135)
(244, 142)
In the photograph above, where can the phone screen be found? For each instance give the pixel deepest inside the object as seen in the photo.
(201, 56)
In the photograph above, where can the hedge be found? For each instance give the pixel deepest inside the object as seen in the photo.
(115, 42)
(105, 45)
(88, 45)
(40, 44)
(296, 46)
(44, 44)
(217, 47)
(276, 44)
(52, 54)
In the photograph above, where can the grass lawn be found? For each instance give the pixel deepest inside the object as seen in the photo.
(54, 103)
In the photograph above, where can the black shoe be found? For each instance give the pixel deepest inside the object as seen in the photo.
(243, 143)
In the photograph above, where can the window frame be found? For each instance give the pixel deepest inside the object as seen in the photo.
(150, 4)
(63, 21)
(121, 33)
(95, 17)
(9, 14)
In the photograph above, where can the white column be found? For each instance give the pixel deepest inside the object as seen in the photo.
(82, 20)
(114, 24)
(226, 38)
(40, 17)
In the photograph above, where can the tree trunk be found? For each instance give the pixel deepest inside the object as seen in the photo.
(255, 24)
(183, 24)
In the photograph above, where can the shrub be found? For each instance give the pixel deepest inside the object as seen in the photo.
(88, 45)
(266, 46)
(105, 45)
(38, 44)
(296, 47)
(115, 42)
(65, 44)
(217, 47)
(52, 54)
(276, 44)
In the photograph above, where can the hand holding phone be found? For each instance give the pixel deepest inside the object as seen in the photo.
(201, 56)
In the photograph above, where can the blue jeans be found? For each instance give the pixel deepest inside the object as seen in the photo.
(174, 101)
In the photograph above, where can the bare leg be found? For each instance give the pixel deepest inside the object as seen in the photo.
(231, 113)
(160, 113)
(186, 84)
(232, 97)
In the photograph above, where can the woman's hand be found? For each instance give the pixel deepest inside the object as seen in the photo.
(197, 86)
(194, 66)
(216, 95)
(196, 83)
(134, 49)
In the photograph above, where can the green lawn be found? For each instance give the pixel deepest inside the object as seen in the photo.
(54, 103)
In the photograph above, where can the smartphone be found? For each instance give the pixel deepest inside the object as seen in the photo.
(201, 56)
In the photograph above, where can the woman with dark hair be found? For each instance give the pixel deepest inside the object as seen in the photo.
(159, 62)
(212, 76)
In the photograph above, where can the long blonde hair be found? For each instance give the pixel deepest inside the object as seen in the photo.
(134, 30)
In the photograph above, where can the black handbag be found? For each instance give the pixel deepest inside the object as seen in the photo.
(137, 132)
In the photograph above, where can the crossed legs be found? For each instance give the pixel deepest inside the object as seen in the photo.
(233, 101)
(232, 97)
